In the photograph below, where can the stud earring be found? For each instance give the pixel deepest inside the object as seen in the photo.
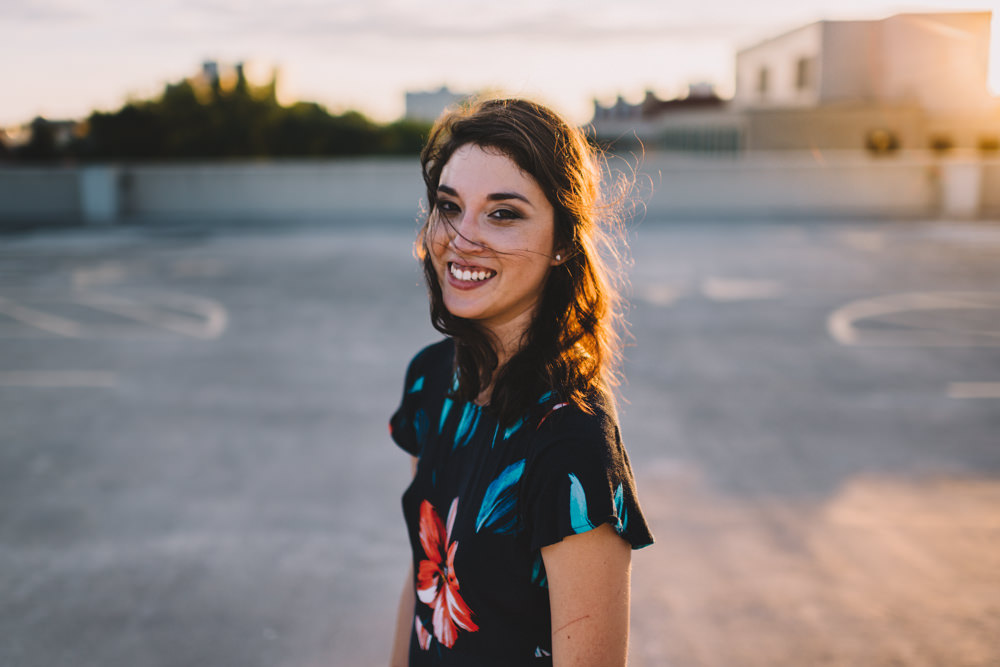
(558, 257)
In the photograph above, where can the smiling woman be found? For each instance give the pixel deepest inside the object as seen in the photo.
(492, 247)
(523, 511)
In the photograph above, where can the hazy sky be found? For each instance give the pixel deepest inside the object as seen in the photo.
(63, 58)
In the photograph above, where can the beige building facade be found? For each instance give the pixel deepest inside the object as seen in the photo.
(910, 81)
(906, 82)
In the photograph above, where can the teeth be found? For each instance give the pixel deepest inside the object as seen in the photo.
(470, 275)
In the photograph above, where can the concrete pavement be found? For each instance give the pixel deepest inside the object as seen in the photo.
(195, 470)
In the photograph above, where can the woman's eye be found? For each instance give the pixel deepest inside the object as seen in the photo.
(505, 214)
(447, 207)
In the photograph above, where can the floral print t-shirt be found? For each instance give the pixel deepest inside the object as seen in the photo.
(483, 503)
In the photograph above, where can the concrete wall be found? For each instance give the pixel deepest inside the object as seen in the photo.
(780, 57)
(319, 188)
(851, 62)
(41, 194)
(800, 185)
(834, 184)
(841, 126)
(990, 191)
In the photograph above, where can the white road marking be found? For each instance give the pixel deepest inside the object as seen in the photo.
(179, 313)
(729, 289)
(660, 295)
(868, 241)
(197, 267)
(57, 379)
(40, 320)
(974, 389)
(841, 324)
(209, 322)
(105, 273)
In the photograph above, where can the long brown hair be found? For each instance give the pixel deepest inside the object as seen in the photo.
(573, 345)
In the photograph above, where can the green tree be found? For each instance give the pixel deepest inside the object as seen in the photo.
(207, 121)
(42, 143)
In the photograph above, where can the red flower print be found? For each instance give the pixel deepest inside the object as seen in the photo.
(423, 637)
(437, 583)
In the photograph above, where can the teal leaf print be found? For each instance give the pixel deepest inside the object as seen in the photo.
(538, 576)
(620, 510)
(445, 408)
(578, 517)
(513, 429)
(417, 385)
(421, 426)
(466, 425)
(497, 510)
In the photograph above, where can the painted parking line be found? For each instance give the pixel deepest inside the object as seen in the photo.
(714, 288)
(736, 289)
(660, 295)
(974, 389)
(867, 241)
(178, 313)
(207, 319)
(58, 379)
(39, 319)
(948, 331)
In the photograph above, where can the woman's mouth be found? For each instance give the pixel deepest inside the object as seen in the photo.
(469, 275)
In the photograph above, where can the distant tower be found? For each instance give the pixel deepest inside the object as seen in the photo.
(210, 70)
(241, 79)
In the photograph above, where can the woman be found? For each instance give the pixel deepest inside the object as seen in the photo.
(522, 512)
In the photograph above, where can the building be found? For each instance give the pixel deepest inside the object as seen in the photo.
(909, 81)
(937, 61)
(426, 106)
(700, 122)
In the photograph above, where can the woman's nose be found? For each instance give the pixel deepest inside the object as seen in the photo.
(465, 234)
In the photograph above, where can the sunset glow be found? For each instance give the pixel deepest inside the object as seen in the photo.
(367, 56)
(994, 75)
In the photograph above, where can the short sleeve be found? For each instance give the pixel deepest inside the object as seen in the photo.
(582, 479)
(404, 423)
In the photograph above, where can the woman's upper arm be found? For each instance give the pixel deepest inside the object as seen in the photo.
(589, 579)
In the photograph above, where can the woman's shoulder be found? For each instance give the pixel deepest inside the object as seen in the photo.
(434, 358)
(591, 421)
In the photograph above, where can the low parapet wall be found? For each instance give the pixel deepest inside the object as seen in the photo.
(806, 185)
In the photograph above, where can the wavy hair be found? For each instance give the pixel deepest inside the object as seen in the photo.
(573, 345)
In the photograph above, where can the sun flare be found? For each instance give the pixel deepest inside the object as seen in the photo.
(994, 71)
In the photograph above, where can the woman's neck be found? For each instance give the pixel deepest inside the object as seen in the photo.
(505, 348)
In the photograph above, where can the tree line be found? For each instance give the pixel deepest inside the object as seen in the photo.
(195, 119)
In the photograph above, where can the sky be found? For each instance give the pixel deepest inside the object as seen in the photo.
(65, 58)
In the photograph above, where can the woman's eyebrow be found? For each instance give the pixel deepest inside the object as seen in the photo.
(500, 196)
(496, 196)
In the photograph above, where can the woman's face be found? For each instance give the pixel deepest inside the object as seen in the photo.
(491, 240)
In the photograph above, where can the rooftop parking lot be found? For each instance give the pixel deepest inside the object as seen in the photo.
(195, 467)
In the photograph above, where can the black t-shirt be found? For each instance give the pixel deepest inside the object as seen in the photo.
(483, 503)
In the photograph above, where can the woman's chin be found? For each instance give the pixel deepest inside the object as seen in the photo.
(465, 311)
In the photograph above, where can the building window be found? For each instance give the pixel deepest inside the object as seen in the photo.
(762, 81)
(802, 74)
